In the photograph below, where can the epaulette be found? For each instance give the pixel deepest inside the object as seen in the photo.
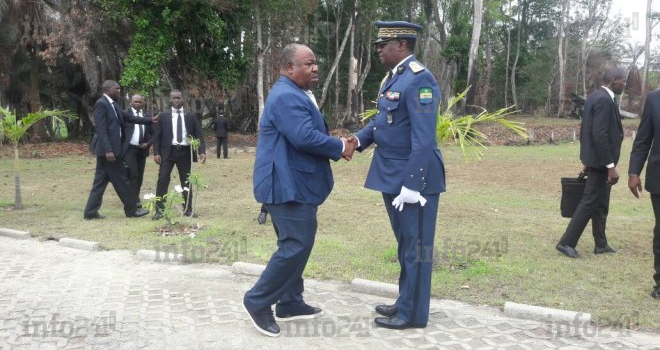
(416, 67)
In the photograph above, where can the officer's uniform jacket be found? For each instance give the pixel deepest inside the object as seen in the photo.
(404, 133)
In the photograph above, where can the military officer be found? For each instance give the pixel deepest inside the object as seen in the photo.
(407, 167)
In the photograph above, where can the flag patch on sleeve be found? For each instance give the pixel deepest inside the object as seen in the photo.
(425, 95)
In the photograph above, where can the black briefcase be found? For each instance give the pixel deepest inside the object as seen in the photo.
(571, 193)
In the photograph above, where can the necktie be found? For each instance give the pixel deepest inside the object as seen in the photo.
(179, 127)
(141, 128)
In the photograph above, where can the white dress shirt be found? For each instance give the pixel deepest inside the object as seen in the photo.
(611, 165)
(184, 132)
(135, 138)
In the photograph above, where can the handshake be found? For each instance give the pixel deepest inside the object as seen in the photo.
(350, 144)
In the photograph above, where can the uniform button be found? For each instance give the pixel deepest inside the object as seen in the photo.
(374, 128)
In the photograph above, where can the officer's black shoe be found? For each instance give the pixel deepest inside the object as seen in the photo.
(394, 323)
(138, 213)
(157, 216)
(656, 293)
(386, 310)
(605, 249)
(190, 214)
(96, 216)
(262, 218)
(263, 321)
(568, 251)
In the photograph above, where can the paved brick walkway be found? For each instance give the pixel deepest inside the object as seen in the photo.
(53, 297)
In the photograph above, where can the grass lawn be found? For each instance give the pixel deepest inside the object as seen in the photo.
(497, 228)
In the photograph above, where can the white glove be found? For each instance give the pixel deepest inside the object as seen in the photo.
(407, 196)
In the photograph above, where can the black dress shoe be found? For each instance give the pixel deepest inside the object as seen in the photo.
(157, 216)
(190, 214)
(138, 213)
(605, 249)
(386, 310)
(568, 251)
(656, 293)
(262, 218)
(394, 323)
(94, 217)
(263, 321)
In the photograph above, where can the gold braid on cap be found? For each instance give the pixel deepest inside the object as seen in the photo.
(395, 32)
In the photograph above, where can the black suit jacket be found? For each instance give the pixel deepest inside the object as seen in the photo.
(111, 128)
(647, 144)
(130, 128)
(601, 132)
(221, 126)
(162, 134)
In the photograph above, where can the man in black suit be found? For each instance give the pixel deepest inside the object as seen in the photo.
(648, 139)
(601, 135)
(138, 139)
(109, 148)
(221, 127)
(171, 147)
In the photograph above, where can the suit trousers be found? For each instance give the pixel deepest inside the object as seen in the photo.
(135, 160)
(221, 143)
(414, 229)
(114, 173)
(593, 206)
(281, 282)
(655, 200)
(179, 157)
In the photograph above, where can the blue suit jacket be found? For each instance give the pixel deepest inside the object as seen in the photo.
(404, 132)
(293, 150)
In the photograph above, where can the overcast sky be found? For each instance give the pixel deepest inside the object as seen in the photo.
(635, 11)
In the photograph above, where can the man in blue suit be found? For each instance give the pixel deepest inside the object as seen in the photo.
(110, 151)
(292, 177)
(407, 167)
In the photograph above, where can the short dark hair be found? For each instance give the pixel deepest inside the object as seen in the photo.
(613, 73)
(108, 84)
(174, 91)
(288, 52)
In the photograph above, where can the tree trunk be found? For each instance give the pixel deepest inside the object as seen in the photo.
(514, 95)
(560, 56)
(38, 130)
(349, 116)
(474, 51)
(18, 201)
(647, 48)
(324, 93)
(489, 70)
(508, 59)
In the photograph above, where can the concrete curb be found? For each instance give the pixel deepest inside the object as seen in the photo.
(7, 232)
(249, 269)
(373, 287)
(539, 313)
(80, 244)
(156, 256)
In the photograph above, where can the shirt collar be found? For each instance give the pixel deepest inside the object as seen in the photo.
(174, 110)
(109, 99)
(609, 92)
(400, 63)
(135, 112)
